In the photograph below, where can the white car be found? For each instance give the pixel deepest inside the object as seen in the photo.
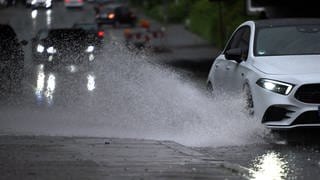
(276, 64)
(73, 3)
(40, 3)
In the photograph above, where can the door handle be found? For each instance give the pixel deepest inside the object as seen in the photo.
(228, 68)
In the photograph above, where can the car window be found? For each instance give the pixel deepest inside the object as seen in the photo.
(8, 38)
(86, 27)
(244, 42)
(7, 33)
(234, 42)
(240, 39)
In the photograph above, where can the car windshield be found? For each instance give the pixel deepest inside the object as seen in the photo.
(66, 33)
(287, 40)
(86, 27)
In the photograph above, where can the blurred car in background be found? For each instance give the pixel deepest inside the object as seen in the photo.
(95, 34)
(11, 56)
(116, 14)
(3, 3)
(39, 3)
(68, 46)
(73, 3)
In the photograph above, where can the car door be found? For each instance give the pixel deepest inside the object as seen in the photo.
(234, 70)
(222, 67)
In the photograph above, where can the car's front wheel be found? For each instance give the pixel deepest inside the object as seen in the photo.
(210, 88)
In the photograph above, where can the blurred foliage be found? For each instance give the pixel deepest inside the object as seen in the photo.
(201, 16)
(205, 19)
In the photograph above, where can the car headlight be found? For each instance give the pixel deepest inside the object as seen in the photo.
(40, 48)
(33, 2)
(51, 50)
(90, 49)
(275, 86)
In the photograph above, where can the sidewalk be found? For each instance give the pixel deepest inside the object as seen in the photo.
(30, 157)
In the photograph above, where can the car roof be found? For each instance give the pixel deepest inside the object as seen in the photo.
(286, 22)
(66, 30)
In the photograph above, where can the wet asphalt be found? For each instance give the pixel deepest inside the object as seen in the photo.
(290, 155)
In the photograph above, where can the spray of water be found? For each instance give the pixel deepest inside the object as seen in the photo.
(133, 97)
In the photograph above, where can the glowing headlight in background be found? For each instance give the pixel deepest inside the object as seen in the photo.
(48, 3)
(275, 86)
(40, 80)
(90, 49)
(40, 48)
(33, 2)
(51, 50)
(34, 14)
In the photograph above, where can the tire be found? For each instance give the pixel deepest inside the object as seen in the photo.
(249, 104)
(210, 89)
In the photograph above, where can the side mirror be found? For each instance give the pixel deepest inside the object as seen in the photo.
(24, 42)
(234, 54)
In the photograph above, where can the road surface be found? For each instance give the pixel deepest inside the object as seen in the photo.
(141, 96)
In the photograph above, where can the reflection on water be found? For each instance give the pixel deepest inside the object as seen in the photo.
(46, 82)
(40, 79)
(91, 84)
(50, 84)
(270, 166)
(38, 18)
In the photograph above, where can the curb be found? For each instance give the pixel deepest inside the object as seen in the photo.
(232, 167)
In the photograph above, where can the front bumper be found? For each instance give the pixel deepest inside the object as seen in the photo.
(278, 111)
(52, 59)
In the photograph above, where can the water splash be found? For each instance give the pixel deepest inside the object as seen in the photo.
(136, 98)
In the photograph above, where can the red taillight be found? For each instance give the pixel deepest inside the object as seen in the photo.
(101, 34)
(80, 1)
(67, 1)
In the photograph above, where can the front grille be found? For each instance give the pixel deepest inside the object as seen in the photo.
(275, 113)
(309, 117)
(309, 93)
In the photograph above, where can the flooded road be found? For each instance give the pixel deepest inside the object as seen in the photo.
(127, 94)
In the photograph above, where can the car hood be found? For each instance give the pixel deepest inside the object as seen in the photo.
(286, 65)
